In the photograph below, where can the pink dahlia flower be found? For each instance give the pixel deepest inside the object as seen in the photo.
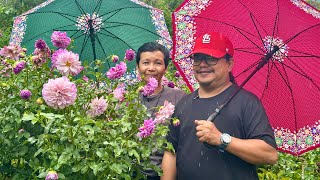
(68, 63)
(151, 86)
(147, 128)
(55, 55)
(119, 92)
(59, 92)
(164, 112)
(60, 39)
(164, 81)
(97, 107)
(117, 71)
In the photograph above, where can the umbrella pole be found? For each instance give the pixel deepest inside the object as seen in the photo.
(93, 44)
(263, 62)
(91, 34)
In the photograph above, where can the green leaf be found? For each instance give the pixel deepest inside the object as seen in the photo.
(65, 156)
(28, 117)
(117, 168)
(42, 175)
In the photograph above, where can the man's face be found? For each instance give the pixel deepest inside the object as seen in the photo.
(210, 71)
(152, 65)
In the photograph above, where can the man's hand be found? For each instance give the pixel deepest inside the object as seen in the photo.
(208, 132)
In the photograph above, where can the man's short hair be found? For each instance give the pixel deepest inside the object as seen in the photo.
(152, 47)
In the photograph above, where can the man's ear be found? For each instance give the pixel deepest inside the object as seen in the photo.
(230, 64)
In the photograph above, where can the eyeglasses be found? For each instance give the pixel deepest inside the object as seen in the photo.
(197, 59)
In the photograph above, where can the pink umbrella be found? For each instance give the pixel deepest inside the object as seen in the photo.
(287, 81)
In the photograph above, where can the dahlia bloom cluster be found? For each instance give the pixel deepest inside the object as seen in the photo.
(41, 53)
(59, 93)
(13, 51)
(147, 128)
(164, 112)
(151, 86)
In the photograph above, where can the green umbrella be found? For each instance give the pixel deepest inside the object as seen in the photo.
(99, 28)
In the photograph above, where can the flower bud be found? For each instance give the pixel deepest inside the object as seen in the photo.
(115, 58)
(176, 122)
(171, 84)
(25, 94)
(39, 101)
(19, 67)
(52, 175)
(177, 74)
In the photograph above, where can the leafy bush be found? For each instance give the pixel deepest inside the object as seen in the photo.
(305, 166)
(83, 125)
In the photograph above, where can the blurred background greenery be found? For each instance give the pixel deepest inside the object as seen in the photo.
(305, 166)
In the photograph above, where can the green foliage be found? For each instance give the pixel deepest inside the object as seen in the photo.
(168, 7)
(6, 19)
(305, 166)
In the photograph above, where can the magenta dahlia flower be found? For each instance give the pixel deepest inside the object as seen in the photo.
(97, 107)
(147, 128)
(60, 39)
(129, 54)
(59, 92)
(151, 86)
(117, 71)
(68, 63)
(40, 44)
(19, 67)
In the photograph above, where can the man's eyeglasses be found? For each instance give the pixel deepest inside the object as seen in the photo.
(197, 59)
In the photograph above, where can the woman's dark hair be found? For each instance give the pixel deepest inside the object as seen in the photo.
(151, 47)
(232, 79)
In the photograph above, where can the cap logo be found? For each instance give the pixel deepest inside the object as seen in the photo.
(206, 39)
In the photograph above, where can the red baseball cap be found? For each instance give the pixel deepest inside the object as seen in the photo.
(213, 44)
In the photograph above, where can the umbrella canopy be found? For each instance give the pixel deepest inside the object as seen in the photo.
(99, 27)
(289, 82)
